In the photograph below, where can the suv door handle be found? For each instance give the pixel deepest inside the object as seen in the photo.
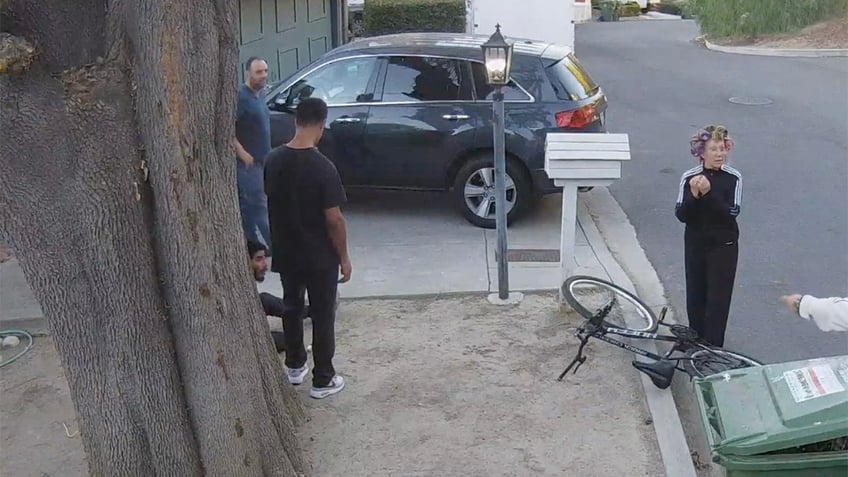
(346, 120)
(454, 117)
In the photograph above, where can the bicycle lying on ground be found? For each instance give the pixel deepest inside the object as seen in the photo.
(604, 304)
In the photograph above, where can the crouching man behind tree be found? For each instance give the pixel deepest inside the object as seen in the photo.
(271, 305)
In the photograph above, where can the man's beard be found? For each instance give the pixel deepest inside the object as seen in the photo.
(259, 278)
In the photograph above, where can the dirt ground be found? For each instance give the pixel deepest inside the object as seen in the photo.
(35, 408)
(829, 34)
(435, 387)
(458, 387)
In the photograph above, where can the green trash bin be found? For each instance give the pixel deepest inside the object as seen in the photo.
(781, 420)
(610, 11)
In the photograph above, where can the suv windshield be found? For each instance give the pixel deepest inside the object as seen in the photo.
(570, 80)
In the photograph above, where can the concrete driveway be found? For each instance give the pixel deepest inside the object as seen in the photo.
(411, 243)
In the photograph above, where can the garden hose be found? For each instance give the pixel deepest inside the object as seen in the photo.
(20, 334)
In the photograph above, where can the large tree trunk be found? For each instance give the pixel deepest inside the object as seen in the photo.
(117, 194)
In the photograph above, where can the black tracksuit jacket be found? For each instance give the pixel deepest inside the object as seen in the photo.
(711, 220)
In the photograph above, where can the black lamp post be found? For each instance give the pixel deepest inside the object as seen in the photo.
(497, 54)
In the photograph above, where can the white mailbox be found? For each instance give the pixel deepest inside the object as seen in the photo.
(575, 160)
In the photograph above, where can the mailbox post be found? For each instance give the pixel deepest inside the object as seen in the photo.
(575, 160)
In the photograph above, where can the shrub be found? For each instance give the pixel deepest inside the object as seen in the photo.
(631, 9)
(669, 7)
(381, 17)
(612, 10)
(751, 18)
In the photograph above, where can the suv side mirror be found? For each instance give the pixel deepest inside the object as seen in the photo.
(289, 98)
(280, 101)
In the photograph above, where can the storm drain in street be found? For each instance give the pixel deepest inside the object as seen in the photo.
(750, 100)
(550, 255)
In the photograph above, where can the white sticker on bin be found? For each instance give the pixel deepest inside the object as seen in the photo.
(812, 382)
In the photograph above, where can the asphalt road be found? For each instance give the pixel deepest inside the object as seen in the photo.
(793, 155)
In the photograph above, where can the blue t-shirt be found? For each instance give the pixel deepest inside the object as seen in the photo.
(253, 132)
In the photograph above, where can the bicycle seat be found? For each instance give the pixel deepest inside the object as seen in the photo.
(660, 372)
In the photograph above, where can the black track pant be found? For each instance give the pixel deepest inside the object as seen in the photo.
(274, 306)
(710, 274)
(322, 286)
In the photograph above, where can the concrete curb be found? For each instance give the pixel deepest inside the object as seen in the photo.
(36, 326)
(662, 16)
(784, 52)
(601, 211)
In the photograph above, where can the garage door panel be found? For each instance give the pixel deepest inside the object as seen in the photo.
(317, 47)
(273, 67)
(250, 20)
(286, 15)
(288, 61)
(316, 10)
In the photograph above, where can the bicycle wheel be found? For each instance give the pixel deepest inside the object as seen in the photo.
(704, 362)
(621, 309)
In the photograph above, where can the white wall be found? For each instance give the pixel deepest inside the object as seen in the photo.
(582, 11)
(545, 20)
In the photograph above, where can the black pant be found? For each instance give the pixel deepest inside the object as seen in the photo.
(710, 274)
(322, 286)
(274, 306)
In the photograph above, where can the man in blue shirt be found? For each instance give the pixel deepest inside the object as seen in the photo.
(253, 143)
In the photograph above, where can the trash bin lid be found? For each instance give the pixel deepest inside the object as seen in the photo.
(758, 410)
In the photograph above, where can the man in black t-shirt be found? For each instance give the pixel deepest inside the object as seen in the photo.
(309, 240)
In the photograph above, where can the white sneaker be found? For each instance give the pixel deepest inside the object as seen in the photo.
(297, 375)
(335, 386)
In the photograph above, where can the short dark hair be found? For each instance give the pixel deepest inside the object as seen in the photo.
(250, 62)
(254, 247)
(311, 112)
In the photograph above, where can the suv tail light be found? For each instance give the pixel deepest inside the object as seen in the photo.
(577, 118)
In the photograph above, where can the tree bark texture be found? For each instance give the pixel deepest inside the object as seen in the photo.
(117, 195)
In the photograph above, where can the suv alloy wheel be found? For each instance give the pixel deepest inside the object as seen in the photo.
(474, 190)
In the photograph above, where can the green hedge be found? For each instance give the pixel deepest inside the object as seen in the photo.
(613, 10)
(631, 9)
(670, 7)
(381, 17)
(751, 18)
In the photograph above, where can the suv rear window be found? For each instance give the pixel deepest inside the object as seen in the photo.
(570, 80)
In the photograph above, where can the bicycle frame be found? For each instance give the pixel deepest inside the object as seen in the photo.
(601, 332)
(638, 335)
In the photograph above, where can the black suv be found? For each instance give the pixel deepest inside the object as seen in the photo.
(413, 111)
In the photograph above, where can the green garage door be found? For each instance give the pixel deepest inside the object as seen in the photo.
(288, 34)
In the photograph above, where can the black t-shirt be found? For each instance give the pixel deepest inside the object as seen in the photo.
(301, 184)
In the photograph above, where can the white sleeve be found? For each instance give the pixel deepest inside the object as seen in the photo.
(829, 314)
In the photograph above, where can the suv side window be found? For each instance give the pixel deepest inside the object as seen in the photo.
(341, 82)
(418, 79)
(486, 93)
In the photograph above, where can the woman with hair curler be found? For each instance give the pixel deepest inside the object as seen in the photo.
(708, 201)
